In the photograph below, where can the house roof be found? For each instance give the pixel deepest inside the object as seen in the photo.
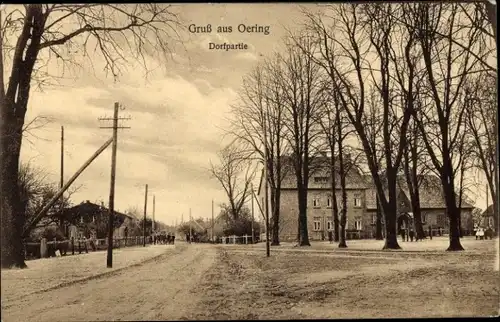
(88, 208)
(431, 193)
(320, 168)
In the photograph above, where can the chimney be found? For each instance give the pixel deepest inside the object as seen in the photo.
(88, 201)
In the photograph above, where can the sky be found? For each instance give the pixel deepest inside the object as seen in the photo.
(177, 113)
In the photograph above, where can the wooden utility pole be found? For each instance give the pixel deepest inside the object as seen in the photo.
(213, 221)
(253, 231)
(115, 127)
(144, 220)
(190, 226)
(266, 200)
(153, 224)
(61, 183)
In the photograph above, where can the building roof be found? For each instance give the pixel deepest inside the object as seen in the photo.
(431, 193)
(320, 168)
(88, 208)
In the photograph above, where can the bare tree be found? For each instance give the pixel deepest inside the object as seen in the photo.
(447, 68)
(235, 175)
(480, 103)
(336, 129)
(357, 32)
(261, 104)
(120, 33)
(415, 168)
(302, 87)
(35, 191)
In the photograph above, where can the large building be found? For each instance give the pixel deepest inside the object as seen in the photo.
(361, 205)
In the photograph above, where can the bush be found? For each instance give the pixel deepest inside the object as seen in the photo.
(49, 232)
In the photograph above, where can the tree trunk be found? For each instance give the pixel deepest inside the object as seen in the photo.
(390, 209)
(336, 228)
(391, 241)
(378, 223)
(417, 215)
(12, 250)
(335, 208)
(342, 239)
(304, 234)
(491, 185)
(276, 218)
(451, 208)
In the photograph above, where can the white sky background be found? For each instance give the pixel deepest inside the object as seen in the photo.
(177, 115)
(176, 122)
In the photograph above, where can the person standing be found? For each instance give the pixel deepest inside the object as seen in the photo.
(412, 234)
(430, 232)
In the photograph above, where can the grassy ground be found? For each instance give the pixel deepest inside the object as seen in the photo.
(322, 283)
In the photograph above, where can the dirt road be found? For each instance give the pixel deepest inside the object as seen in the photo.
(158, 290)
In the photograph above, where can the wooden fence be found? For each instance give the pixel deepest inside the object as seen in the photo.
(55, 248)
(245, 239)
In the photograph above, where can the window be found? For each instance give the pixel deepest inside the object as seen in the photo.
(320, 179)
(357, 202)
(93, 218)
(357, 224)
(440, 220)
(81, 219)
(374, 219)
(317, 223)
(329, 225)
(491, 223)
(329, 202)
(315, 202)
(424, 218)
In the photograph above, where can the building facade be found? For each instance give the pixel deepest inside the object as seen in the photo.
(361, 206)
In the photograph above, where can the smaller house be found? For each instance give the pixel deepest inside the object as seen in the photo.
(91, 220)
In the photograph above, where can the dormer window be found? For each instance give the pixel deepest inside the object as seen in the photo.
(320, 179)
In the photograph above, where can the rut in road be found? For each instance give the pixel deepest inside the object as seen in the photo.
(155, 291)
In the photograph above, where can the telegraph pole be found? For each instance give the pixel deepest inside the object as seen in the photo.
(144, 220)
(212, 220)
(252, 216)
(153, 224)
(190, 227)
(61, 222)
(115, 127)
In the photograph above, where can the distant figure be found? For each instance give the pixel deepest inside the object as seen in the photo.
(430, 232)
(481, 233)
(330, 236)
(126, 234)
(412, 234)
(488, 233)
(402, 232)
(173, 239)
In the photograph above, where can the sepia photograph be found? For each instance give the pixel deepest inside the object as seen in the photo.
(249, 161)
